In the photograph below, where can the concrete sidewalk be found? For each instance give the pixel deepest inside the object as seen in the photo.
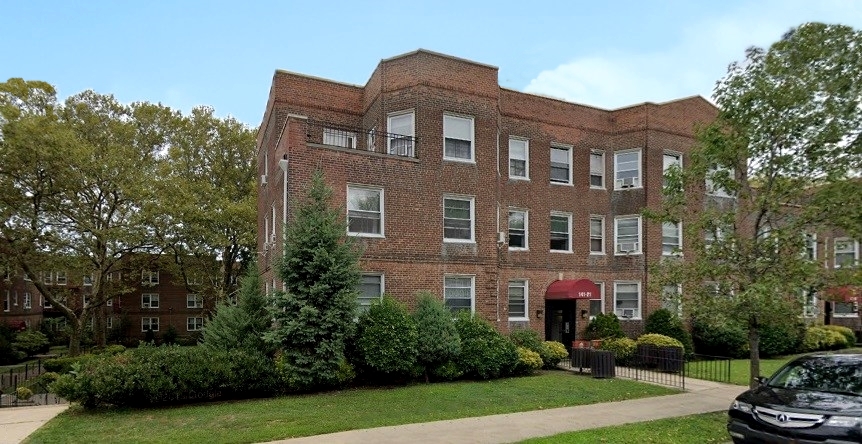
(700, 397)
(17, 423)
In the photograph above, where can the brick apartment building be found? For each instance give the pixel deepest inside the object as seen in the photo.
(521, 208)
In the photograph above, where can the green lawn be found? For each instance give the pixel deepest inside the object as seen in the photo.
(704, 428)
(293, 416)
(739, 368)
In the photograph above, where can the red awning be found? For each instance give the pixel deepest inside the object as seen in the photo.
(845, 293)
(573, 289)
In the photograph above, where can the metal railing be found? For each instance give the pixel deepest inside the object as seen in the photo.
(27, 375)
(360, 139)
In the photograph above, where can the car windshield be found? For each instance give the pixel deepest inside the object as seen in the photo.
(833, 374)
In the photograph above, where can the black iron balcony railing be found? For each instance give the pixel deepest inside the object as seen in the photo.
(361, 139)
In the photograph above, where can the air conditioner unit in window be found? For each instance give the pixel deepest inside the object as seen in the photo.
(627, 182)
(627, 247)
(628, 313)
(263, 179)
(501, 237)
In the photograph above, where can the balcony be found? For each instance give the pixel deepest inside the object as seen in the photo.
(368, 140)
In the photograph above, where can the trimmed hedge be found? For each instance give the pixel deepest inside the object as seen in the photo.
(783, 339)
(603, 326)
(386, 339)
(663, 322)
(846, 331)
(528, 361)
(622, 348)
(438, 342)
(485, 353)
(720, 338)
(658, 340)
(556, 353)
(551, 352)
(819, 338)
(165, 375)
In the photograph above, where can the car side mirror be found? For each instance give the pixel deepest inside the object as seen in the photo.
(761, 380)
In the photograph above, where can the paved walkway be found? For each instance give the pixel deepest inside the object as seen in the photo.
(700, 397)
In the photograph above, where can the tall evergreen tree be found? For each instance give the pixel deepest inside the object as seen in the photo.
(241, 326)
(320, 270)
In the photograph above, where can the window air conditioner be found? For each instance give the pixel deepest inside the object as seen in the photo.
(628, 313)
(627, 247)
(627, 182)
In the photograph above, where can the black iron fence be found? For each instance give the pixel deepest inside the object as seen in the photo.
(361, 139)
(26, 376)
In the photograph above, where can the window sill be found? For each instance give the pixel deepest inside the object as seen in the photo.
(459, 160)
(597, 188)
(519, 178)
(634, 253)
(524, 319)
(458, 241)
(518, 249)
(565, 184)
(560, 251)
(845, 315)
(597, 253)
(628, 188)
(371, 235)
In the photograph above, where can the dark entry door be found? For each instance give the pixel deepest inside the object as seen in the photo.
(560, 322)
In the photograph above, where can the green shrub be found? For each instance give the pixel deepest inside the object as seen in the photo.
(386, 340)
(485, 353)
(658, 340)
(781, 338)
(528, 361)
(164, 375)
(48, 378)
(845, 331)
(837, 341)
(64, 365)
(31, 342)
(437, 342)
(604, 325)
(664, 322)
(529, 339)
(170, 336)
(448, 371)
(622, 348)
(556, 352)
(23, 393)
(720, 337)
(240, 326)
(819, 338)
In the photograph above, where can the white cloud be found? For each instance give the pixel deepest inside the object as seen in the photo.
(689, 66)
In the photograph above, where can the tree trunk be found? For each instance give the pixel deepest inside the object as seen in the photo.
(754, 349)
(76, 330)
(99, 327)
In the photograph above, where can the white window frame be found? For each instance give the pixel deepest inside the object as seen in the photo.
(526, 213)
(149, 277)
(340, 138)
(7, 302)
(448, 121)
(109, 303)
(148, 322)
(810, 310)
(109, 322)
(853, 313)
(272, 226)
(854, 249)
(28, 300)
(711, 188)
(810, 246)
(526, 159)
(601, 237)
(60, 278)
(568, 217)
(472, 289)
(472, 201)
(596, 172)
(381, 212)
(677, 250)
(359, 299)
(665, 304)
(638, 247)
(87, 280)
(409, 149)
(198, 324)
(601, 299)
(620, 311)
(525, 285)
(568, 149)
(147, 300)
(628, 183)
(47, 277)
(371, 139)
(194, 301)
(666, 165)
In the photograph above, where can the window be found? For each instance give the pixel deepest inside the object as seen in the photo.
(845, 309)
(150, 277)
(561, 229)
(194, 324)
(337, 137)
(627, 300)
(109, 322)
(47, 278)
(45, 302)
(364, 211)
(272, 225)
(561, 165)
(370, 290)
(519, 159)
(518, 300)
(711, 235)
(371, 140)
(458, 219)
(7, 302)
(149, 300)
(60, 277)
(518, 230)
(194, 301)
(266, 231)
(670, 160)
(597, 235)
(401, 134)
(87, 280)
(85, 300)
(149, 324)
(671, 298)
(810, 252)
(458, 138)
(597, 169)
(109, 303)
(28, 301)
(846, 252)
(597, 305)
(671, 238)
(715, 176)
(627, 169)
(809, 304)
(627, 235)
(458, 293)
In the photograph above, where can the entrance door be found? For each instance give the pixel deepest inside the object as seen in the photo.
(560, 322)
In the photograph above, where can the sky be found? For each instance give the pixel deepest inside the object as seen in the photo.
(185, 53)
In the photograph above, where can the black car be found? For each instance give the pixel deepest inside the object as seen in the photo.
(811, 399)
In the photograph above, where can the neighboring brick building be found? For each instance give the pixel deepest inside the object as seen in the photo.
(505, 203)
